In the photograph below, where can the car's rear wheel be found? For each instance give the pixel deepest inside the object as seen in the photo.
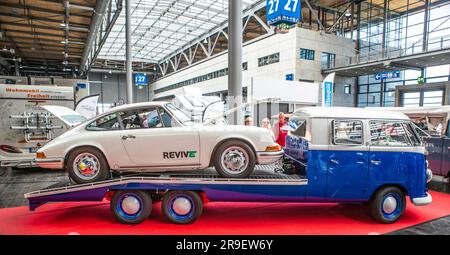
(131, 206)
(234, 159)
(87, 165)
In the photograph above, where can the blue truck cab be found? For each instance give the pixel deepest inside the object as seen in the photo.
(359, 155)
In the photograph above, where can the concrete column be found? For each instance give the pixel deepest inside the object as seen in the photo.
(235, 60)
(426, 26)
(129, 55)
(385, 17)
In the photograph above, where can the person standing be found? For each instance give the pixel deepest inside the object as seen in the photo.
(265, 123)
(280, 135)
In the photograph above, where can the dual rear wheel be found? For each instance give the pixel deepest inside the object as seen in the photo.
(134, 206)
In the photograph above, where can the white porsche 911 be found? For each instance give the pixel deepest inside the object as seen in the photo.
(153, 137)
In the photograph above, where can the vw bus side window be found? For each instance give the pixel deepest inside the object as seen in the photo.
(388, 133)
(347, 132)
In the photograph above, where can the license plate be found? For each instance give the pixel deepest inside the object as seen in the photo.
(32, 150)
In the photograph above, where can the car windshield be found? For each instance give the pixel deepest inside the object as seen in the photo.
(181, 116)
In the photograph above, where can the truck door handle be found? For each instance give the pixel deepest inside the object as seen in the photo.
(125, 137)
(334, 161)
(375, 162)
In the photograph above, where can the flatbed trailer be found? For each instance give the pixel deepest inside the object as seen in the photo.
(182, 195)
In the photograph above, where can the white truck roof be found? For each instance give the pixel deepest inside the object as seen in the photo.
(348, 112)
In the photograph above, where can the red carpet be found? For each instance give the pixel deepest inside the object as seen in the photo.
(218, 218)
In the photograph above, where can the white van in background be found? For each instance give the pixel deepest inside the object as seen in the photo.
(25, 126)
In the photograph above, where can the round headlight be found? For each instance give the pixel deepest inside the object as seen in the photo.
(429, 175)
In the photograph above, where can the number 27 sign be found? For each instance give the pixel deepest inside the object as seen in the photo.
(283, 11)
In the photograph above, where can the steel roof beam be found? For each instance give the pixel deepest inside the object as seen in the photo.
(45, 10)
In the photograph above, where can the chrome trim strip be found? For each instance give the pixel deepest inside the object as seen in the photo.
(165, 180)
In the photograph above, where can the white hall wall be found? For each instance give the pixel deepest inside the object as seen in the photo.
(288, 45)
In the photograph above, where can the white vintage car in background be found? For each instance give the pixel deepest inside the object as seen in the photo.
(153, 137)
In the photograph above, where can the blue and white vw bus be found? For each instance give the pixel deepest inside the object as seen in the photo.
(359, 155)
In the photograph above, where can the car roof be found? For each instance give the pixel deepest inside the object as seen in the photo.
(136, 105)
(348, 112)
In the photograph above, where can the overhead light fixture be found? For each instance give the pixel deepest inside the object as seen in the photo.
(348, 14)
(63, 24)
(4, 48)
(63, 42)
(205, 41)
(110, 71)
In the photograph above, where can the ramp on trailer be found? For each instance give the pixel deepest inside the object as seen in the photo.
(262, 186)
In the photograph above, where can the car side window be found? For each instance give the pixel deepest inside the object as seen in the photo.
(141, 118)
(166, 118)
(347, 132)
(388, 133)
(108, 122)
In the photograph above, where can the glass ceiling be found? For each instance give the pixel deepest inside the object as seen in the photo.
(161, 27)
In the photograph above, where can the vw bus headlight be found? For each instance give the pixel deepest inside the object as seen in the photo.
(429, 175)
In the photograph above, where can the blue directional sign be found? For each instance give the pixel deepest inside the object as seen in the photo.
(283, 11)
(327, 94)
(290, 77)
(140, 79)
(387, 75)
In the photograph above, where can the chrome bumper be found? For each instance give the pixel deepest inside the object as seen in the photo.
(268, 157)
(422, 200)
(52, 163)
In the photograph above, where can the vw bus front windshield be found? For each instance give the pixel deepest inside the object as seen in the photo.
(296, 126)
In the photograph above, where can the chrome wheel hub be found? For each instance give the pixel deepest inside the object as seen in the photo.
(389, 204)
(130, 205)
(182, 206)
(234, 160)
(86, 166)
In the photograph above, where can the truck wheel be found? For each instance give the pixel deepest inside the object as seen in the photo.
(131, 206)
(5, 172)
(87, 165)
(182, 207)
(388, 204)
(234, 159)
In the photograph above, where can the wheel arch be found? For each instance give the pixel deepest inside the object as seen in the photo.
(252, 147)
(396, 185)
(84, 146)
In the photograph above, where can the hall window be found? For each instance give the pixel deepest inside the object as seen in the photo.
(348, 89)
(267, 60)
(307, 54)
(328, 60)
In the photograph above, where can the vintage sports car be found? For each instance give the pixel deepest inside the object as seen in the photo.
(153, 137)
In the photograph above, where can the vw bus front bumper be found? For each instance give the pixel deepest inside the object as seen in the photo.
(418, 201)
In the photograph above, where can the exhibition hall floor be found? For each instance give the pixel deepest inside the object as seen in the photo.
(218, 218)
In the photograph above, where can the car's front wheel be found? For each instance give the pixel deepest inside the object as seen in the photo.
(234, 159)
(388, 204)
(86, 165)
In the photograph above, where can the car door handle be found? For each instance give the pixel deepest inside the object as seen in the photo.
(125, 137)
(334, 161)
(375, 162)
